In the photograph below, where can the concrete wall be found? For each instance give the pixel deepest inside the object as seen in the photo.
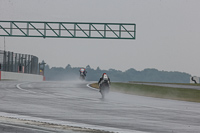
(20, 76)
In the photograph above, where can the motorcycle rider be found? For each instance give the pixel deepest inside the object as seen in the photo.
(102, 79)
(82, 70)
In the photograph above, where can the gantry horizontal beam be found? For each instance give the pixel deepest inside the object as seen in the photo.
(67, 30)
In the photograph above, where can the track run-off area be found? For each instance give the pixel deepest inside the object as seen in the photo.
(72, 106)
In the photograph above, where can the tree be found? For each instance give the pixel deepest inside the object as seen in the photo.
(68, 66)
(146, 75)
(88, 67)
(98, 69)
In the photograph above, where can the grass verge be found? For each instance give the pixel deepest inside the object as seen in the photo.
(191, 95)
(191, 84)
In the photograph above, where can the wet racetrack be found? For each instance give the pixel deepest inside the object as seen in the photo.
(76, 104)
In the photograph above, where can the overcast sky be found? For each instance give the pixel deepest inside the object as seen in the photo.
(167, 34)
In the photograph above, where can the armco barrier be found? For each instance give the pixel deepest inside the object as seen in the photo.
(20, 76)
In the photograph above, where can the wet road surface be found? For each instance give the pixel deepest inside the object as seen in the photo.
(73, 103)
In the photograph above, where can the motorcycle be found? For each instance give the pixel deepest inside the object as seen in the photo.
(104, 88)
(82, 76)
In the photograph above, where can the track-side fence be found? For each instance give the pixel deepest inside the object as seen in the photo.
(15, 62)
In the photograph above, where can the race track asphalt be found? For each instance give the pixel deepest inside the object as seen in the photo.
(73, 103)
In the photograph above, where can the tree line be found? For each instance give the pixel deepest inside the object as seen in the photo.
(146, 75)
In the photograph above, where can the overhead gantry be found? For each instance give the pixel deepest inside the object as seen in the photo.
(67, 30)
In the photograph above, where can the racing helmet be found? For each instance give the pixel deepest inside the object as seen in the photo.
(82, 69)
(105, 76)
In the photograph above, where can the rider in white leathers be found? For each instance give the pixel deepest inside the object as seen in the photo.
(102, 79)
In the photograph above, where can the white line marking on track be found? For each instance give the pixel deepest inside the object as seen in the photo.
(55, 95)
(88, 85)
(23, 127)
(68, 123)
(18, 86)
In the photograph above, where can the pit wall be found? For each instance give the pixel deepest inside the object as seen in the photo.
(20, 76)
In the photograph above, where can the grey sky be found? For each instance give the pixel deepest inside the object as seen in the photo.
(167, 38)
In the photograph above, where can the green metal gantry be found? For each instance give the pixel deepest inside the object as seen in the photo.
(67, 30)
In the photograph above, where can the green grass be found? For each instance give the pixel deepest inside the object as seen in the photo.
(192, 84)
(156, 91)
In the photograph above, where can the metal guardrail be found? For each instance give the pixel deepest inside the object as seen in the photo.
(14, 62)
(68, 30)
